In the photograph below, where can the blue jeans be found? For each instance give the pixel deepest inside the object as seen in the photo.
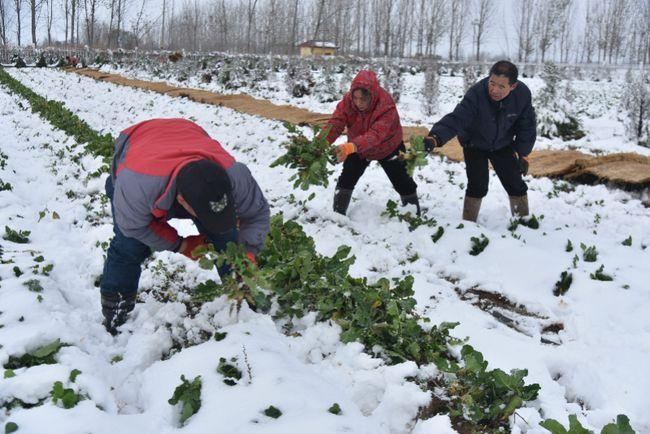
(125, 255)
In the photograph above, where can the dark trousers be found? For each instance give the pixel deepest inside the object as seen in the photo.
(395, 169)
(125, 256)
(505, 165)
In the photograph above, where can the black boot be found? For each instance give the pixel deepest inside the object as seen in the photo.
(411, 199)
(342, 198)
(115, 308)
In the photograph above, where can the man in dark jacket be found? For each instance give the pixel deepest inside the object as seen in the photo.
(171, 168)
(494, 122)
(374, 132)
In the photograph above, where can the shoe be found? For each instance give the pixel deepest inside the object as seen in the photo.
(115, 308)
(411, 199)
(342, 198)
(519, 205)
(471, 207)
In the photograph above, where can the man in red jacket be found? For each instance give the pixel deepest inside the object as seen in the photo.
(171, 168)
(374, 132)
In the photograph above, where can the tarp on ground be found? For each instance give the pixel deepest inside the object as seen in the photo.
(628, 170)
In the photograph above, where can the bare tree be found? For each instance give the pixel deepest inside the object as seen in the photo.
(524, 11)
(3, 23)
(457, 18)
(483, 14)
(49, 19)
(250, 15)
(436, 25)
(34, 9)
(547, 19)
(90, 9)
(18, 4)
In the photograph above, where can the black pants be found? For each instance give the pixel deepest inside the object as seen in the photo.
(505, 164)
(395, 169)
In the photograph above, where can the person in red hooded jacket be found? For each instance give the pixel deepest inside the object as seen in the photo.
(374, 132)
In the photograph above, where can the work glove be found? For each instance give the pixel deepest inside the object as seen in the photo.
(342, 151)
(523, 164)
(430, 142)
(189, 244)
(251, 257)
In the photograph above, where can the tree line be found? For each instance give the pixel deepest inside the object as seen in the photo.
(580, 31)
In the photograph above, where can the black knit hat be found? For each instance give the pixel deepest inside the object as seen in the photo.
(206, 187)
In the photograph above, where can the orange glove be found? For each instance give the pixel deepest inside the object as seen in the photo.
(251, 257)
(190, 243)
(342, 151)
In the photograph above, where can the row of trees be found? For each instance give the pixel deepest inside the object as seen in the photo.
(587, 31)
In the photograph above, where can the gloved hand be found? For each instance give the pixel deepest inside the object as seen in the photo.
(430, 142)
(342, 151)
(190, 243)
(251, 257)
(523, 164)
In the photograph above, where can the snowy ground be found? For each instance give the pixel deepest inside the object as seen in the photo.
(597, 371)
(598, 104)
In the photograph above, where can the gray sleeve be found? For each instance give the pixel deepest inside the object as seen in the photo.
(132, 213)
(251, 206)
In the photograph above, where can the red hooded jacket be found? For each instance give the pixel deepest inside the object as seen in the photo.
(377, 131)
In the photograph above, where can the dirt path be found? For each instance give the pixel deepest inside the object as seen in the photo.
(626, 170)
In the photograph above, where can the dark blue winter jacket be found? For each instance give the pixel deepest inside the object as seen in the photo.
(483, 124)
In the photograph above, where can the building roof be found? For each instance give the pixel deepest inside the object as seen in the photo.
(318, 44)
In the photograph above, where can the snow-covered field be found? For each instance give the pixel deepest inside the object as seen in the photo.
(598, 104)
(597, 371)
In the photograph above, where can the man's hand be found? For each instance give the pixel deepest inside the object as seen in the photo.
(523, 164)
(189, 244)
(342, 151)
(430, 142)
(251, 257)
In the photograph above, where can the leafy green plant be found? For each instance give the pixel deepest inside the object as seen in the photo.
(17, 271)
(415, 155)
(273, 412)
(5, 186)
(219, 336)
(231, 373)
(40, 356)
(11, 427)
(33, 285)
(189, 394)
(68, 397)
(20, 237)
(599, 274)
(485, 396)
(9, 373)
(589, 254)
(569, 246)
(627, 241)
(563, 285)
(530, 222)
(439, 233)
(310, 157)
(414, 221)
(244, 282)
(62, 118)
(621, 426)
(335, 409)
(479, 244)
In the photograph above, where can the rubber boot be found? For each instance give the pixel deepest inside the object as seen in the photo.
(115, 308)
(519, 205)
(471, 207)
(342, 198)
(411, 199)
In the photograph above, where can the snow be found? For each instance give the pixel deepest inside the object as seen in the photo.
(597, 371)
(598, 103)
